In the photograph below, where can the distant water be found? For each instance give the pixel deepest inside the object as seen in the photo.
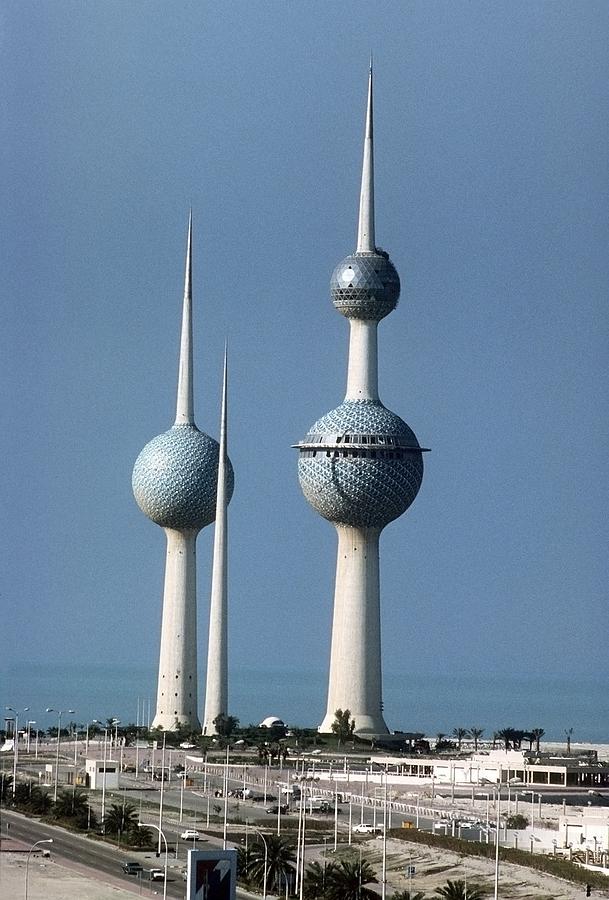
(413, 702)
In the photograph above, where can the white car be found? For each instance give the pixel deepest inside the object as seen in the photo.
(157, 875)
(190, 835)
(365, 828)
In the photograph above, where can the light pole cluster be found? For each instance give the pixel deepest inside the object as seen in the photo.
(15, 740)
(27, 862)
(60, 713)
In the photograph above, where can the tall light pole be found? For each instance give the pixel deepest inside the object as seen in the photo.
(266, 860)
(103, 804)
(497, 825)
(161, 835)
(29, 734)
(93, 722)
(532, 793)
(162, 791)
(60, 713)
(384, 878)
(27, 862)
(15, 741)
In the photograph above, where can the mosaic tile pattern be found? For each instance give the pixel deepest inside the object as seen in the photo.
(365, 286)
(360, 465)
(175, 476)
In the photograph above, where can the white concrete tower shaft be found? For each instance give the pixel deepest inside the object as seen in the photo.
(360, 466)
(216, 691)
(355, 680)
(177, 684)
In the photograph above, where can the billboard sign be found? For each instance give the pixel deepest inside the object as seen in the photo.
(211, 875)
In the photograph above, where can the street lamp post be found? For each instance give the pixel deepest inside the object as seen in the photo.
(29, 734)
(105, 762)
(27, 862)
(60, 713)
(497, 824)
(384, 877)
(15, 741)
(93, 722)
(532, 793)
(161, 835)
(266, 861)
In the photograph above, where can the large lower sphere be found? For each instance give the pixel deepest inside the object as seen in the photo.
(175, 478)
(365, 487)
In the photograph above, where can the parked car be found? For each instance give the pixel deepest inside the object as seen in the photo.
(157, 875)
(131, 867)
(190, 835)
(366, 828)
(273, 810)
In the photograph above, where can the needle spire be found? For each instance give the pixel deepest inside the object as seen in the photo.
(365, 228)
(216, 692)
(185, 404)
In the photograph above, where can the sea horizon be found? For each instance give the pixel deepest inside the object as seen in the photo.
(413, 702)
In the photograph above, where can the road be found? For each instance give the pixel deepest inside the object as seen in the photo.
(95, 855)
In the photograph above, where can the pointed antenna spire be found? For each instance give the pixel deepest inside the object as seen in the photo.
(185, 403)
(365, 228)
(216, 690)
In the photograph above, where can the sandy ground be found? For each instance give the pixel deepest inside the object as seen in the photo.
(433, 867)
(50, 881)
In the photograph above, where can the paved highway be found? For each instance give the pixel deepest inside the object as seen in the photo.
(95, 855)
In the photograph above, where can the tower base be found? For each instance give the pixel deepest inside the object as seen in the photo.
(174, 723)
(364, 724)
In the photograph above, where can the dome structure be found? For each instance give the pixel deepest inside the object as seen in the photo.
(175, 476)
(360, 465)
(365, 286)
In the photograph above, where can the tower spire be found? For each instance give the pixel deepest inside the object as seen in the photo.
(185, 404)
(216, 691)
(365, 227)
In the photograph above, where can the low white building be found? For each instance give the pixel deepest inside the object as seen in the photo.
(97, 770)
(588, 830)
(523, 767)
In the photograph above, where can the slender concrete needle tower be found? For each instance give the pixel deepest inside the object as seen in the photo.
(216, 691)
(360, 466)
(174, 483)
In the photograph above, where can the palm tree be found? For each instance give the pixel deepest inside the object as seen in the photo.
(475, 734)
(226, 725)
(72, 805)
(6, 787)
(536, 735)
(280, 861)
(518, 736)
(139, 837)
(40, 801)
(459, 734)
(244, 861)
(21, 797)
(317, 880)
(343, 725)
(121, 818)
(346, 881)
(507, 736)
(459, 890)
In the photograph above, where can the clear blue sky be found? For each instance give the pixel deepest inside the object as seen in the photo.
(491, 167)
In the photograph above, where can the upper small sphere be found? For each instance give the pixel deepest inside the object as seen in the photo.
(365, 286)
(175, 478)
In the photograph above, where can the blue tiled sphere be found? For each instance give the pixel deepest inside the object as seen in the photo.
(175, 476)
(360, 465)
(365, 286)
